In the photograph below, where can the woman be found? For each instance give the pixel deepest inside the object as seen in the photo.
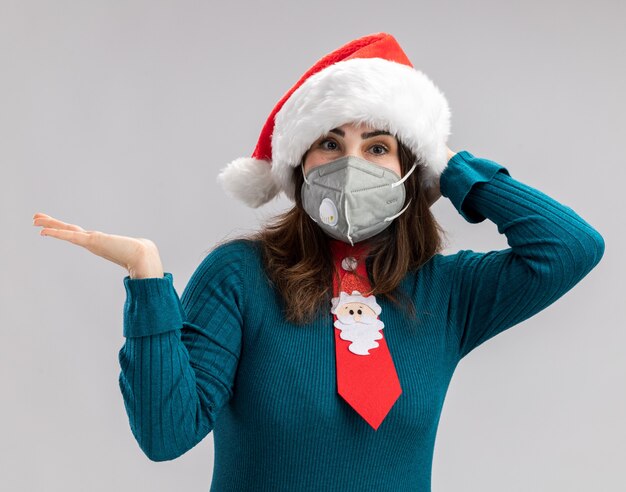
(319, 350)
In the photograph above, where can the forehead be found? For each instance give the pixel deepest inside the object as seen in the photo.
(366, 131)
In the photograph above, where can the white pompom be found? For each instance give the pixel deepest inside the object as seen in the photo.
(249, 180)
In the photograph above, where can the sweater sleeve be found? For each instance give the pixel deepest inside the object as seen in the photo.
(551, 249)
(180, 355)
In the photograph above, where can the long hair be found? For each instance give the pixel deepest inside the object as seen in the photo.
(297, 258)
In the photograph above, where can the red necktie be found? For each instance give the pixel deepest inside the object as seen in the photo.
(366, 375)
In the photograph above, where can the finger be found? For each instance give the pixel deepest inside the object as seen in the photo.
(39, 215)
(56, 224)
(92, 241)
(75, 237)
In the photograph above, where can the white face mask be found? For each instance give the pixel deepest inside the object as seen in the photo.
(352, 199)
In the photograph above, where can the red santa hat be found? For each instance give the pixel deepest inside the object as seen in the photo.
(368, 80)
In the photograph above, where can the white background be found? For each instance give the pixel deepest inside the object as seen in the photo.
(118, 116)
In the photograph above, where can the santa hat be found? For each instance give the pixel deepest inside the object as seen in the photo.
(368, 80)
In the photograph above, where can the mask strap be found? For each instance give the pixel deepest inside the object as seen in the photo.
(304, 175)
(406, 176)
(396, 184)
(387, 219)
(349, 225)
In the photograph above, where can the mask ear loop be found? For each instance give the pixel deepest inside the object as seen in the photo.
(304, 175)
(387, 219)
(307, 182)
(398, 183)
(349, 225)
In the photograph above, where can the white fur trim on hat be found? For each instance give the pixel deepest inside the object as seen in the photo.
(381, 93)
(249, 180)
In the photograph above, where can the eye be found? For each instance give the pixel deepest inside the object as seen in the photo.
(330, 141)
(380, 149)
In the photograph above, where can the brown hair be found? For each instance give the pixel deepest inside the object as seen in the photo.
(297, 257)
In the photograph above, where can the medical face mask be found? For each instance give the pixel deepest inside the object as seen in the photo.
(352, 199)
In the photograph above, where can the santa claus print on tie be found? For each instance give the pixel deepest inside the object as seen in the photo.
(357, 318)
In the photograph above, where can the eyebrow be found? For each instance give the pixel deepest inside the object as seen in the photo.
(363, 135)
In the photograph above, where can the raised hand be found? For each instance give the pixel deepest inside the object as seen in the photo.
(139, 256)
